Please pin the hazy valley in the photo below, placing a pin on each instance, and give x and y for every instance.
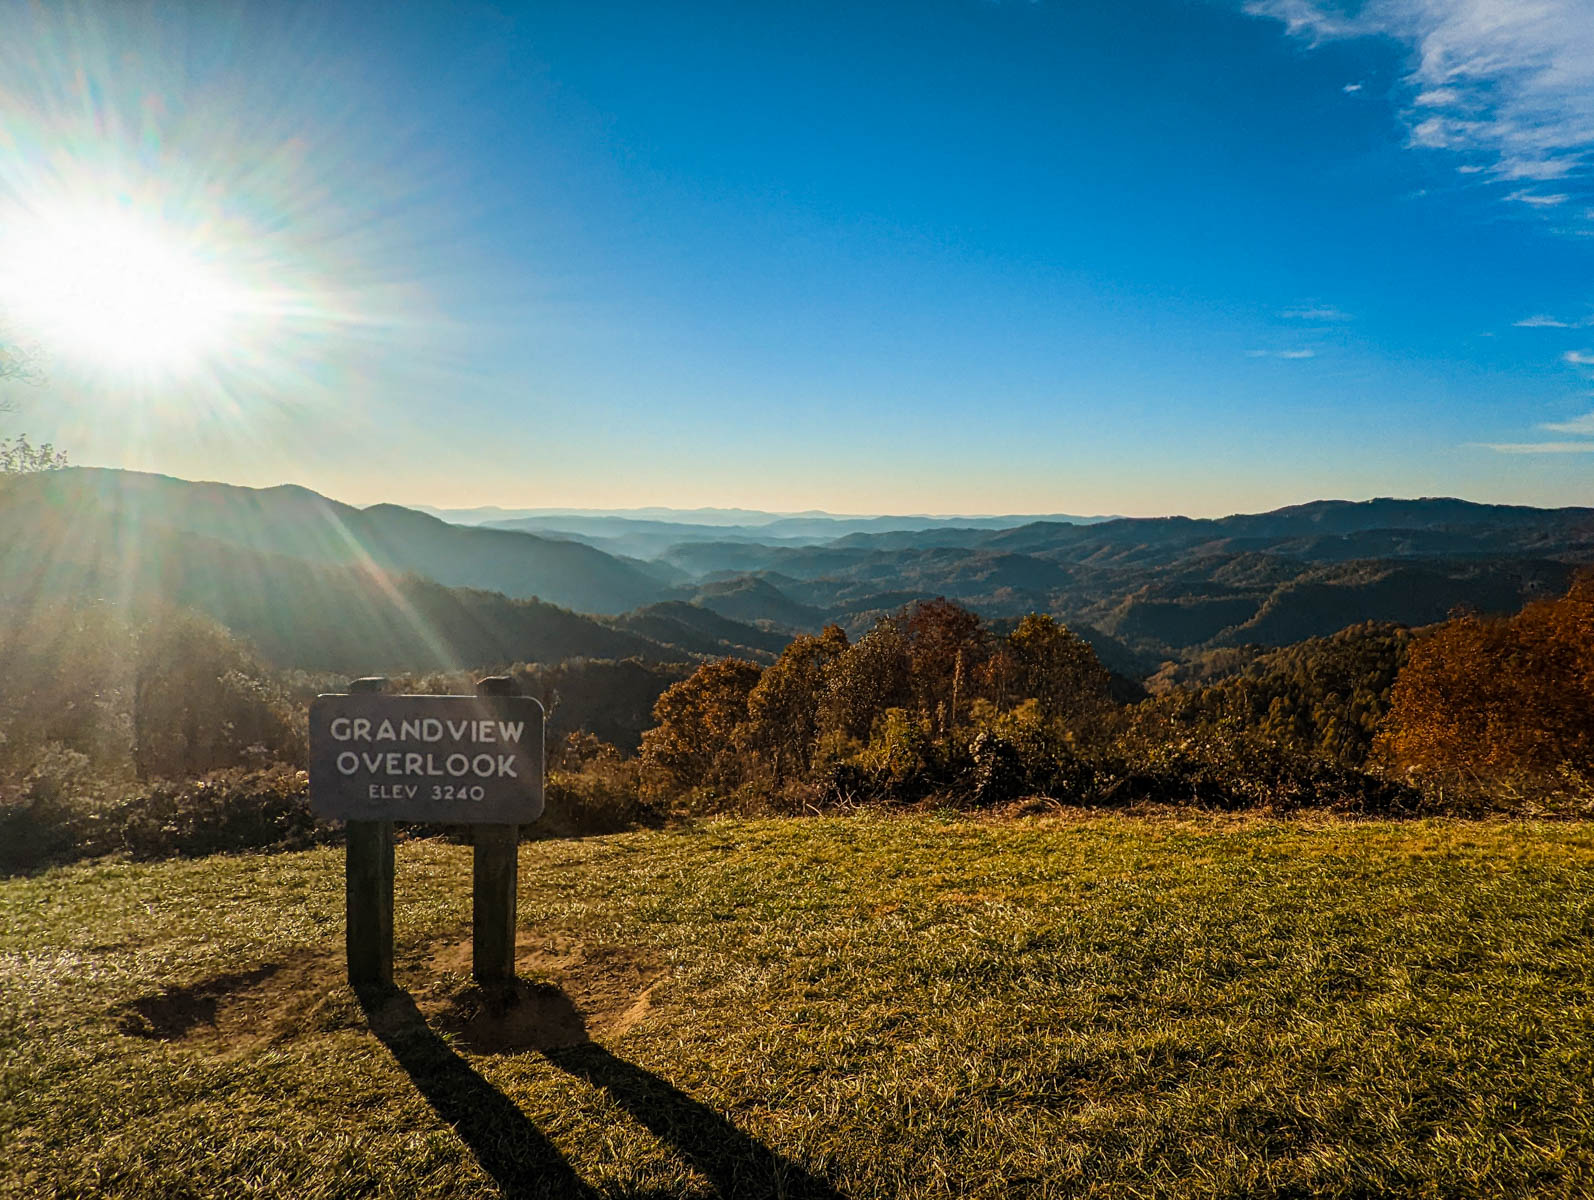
(322, 585)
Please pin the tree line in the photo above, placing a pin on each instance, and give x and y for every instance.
(168, 733)
(934, 704)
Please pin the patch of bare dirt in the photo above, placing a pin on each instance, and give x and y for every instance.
(567, 992)
(180, 1012)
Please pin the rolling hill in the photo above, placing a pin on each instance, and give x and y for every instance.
(83, 536)
(302, 524)
(1167, 586)
(319, 583)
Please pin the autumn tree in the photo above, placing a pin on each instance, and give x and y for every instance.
(18, 456)
(873, 674)
(783, 709)
(1044, 661)
(68, 672)
(1499, 699)
(202, 700)
(947, 648)
(696, 721)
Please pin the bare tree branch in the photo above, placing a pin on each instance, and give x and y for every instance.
(17, 365)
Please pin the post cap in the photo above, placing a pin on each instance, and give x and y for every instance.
(370, 683)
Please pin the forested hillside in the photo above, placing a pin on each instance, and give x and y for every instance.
(1168, 587)
(158, 632)
(301, 524)
(285, 570)
(1141, 590)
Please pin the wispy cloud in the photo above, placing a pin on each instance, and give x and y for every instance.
(1546, 321)
(1539, 199)
(1579, 358)
(1302, 352)
(1579, 425)
(1541, 447)
(1508, 81)
(1350, 89)
(1315, 312)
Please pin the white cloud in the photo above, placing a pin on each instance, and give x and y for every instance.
(1540, 322)
(1541, 447)
(1542, 201)
(1512, 80)
(1316, 312)
(1350, 89)
(1579, 358)
(1579, 425)
(1540, 171)
(1307, 354)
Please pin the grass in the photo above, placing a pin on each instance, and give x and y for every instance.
(857, 1007)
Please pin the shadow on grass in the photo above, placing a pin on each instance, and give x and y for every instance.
(524, 1163)
(521, 1160)
(735, 1163)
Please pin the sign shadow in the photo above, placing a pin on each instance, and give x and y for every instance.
(737, 1164)
(523, 1161)
(509, 1147)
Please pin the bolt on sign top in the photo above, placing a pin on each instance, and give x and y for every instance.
(468, 760)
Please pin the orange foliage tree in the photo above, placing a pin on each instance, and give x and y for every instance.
(1499, 699)
(1045, 660)
(947, 647)
(783, 708)
(694, 740)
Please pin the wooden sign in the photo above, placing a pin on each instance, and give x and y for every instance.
(458, 760)
(462, 760)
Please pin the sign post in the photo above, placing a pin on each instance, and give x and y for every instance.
(368, 887)
(458, 760)
(495, 873)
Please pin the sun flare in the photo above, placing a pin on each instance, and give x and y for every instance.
(114, 291)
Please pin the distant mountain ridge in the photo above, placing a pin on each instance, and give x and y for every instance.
(748, 518)
(653, 538)
(323, 586)
(295, 521)
(1162, 587)
(310, 578)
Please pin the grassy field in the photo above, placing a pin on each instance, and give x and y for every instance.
(861, 1007)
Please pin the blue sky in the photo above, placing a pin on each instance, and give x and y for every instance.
(941, 256)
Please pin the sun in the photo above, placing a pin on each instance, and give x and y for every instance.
(115, 291)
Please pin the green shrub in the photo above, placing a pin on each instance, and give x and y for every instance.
(1229, 765)
(603, 796)
(997, 771)
(44, 818)
(58, 817)
(229, 810)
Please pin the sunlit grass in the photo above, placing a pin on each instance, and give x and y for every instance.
(905, 1007)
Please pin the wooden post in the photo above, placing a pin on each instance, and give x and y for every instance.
(368, 890)
(495, 881)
